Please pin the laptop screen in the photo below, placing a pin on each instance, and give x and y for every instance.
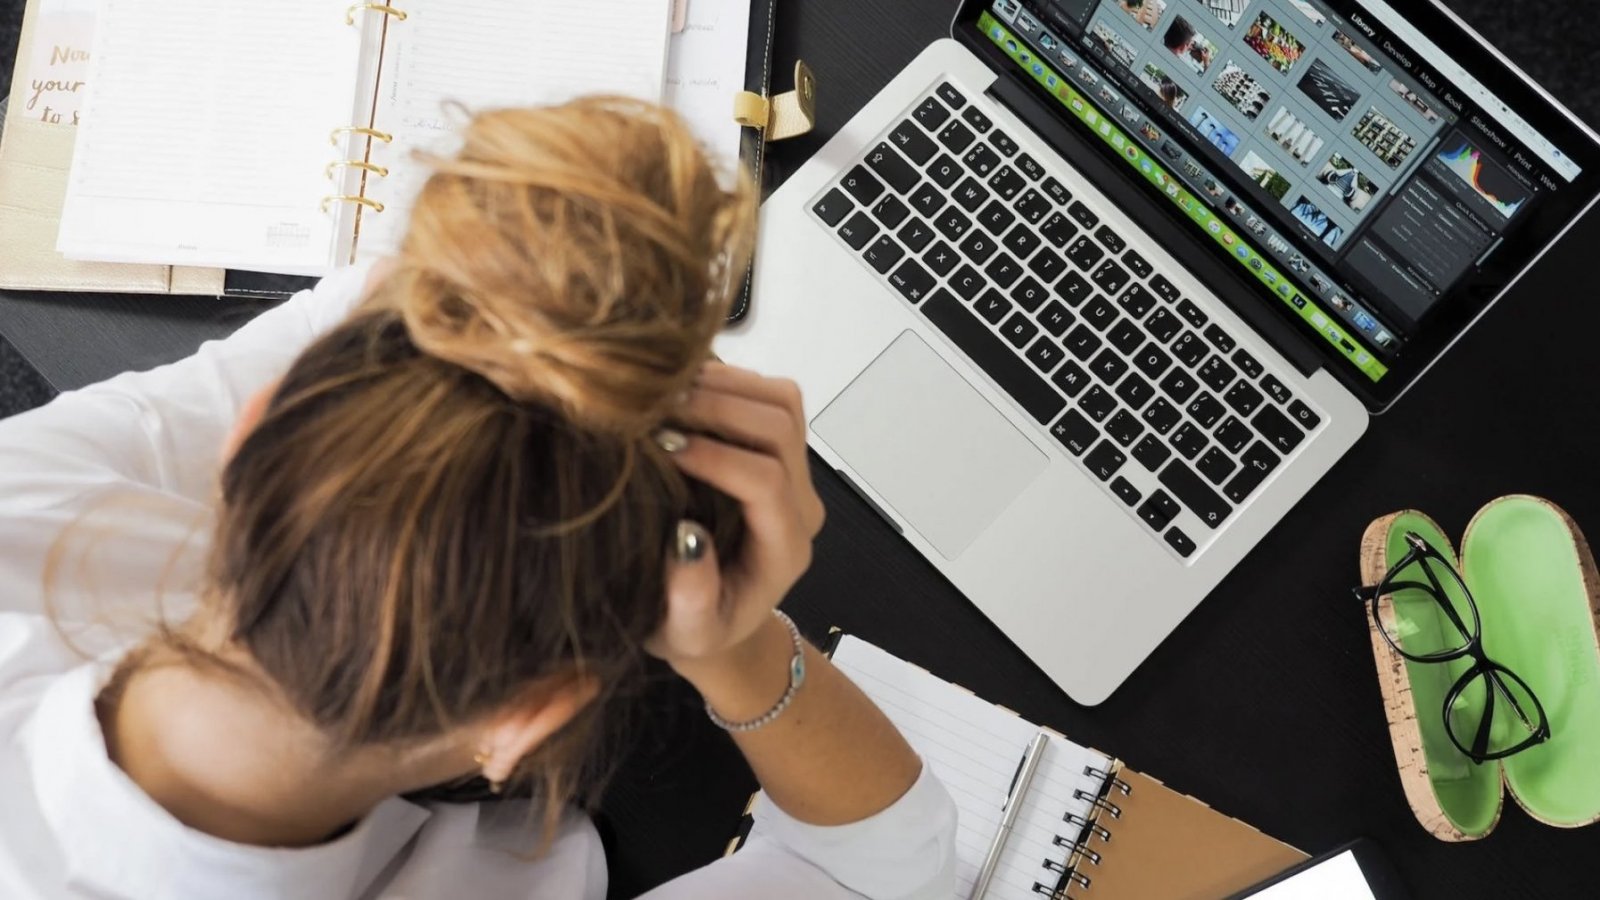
(1373, 187)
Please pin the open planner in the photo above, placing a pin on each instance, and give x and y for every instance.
(1087, 825)
(278, 136)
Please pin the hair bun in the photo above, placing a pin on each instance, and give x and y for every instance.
(582, 255)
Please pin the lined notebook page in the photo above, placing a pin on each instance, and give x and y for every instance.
(496, 53)
(974, 747)
(206, 134)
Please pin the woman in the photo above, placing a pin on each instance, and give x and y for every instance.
(462, 498)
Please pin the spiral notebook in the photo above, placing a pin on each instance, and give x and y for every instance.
(1088, 826)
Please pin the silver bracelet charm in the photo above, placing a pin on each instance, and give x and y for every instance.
(797, 677)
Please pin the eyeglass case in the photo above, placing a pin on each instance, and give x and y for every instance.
(1538, 593)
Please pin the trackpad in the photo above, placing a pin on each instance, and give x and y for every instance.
(930, 444)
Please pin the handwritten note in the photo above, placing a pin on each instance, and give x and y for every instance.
(53, 84)
(705, 68)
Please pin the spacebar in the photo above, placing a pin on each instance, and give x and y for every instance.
(994, 357)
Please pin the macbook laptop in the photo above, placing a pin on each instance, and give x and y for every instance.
(1094, 291)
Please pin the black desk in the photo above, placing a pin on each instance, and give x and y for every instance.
(1263, 703)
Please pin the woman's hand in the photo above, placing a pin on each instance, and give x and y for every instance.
(749, 443)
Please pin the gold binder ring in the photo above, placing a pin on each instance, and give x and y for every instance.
(371, 204)
(347, 130)
(350, 14)
(379, 171)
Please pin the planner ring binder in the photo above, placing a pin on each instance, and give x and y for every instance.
(336, 165)
(347, 130)
(350, 14)
(368, 202)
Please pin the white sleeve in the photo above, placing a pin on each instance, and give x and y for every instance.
(136, 457)
(905, 852)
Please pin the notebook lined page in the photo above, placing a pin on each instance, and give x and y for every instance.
(495, 53)
(206, 133)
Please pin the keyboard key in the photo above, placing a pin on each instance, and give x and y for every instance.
(1085, 253)
(893, 168)
(945, 171)
(1247, 364)
(1163, 325)
(997, 218)
(1278, 430)
(1138, 265)
(1151, 453)
(890, 211)
(916, 235)
(1125, 336)
(1055, 318)
(971, 195)
(1135, 392)
(1275, 389)
(1189, 440)
(967, 282)
(1075, 432)
(1082, 342)
(977, 120)
(1216, 374)
(1057, 191)
(1191, 313)
(1071, 378)
(1189, 350)
(1220, 339)
(833, 207)
(1030, 295)
(941, 259)
(1045, 355)
(1215, 466)
(1162, 415)
(1047, 265)
(956, 137)
(1033, 206)
(952, 224)
(1179, 385)
(1109, 367)
(1111, 239)
(1164, 289)
(1058, 229)
(1302, 414)
(978, 247)
(1233, 434)
(1083, 215)
(1100, 313)
(883, 254)
(1125, 491)
(1030, 167)
(981, 160)
(1195, 494)
(909, 140)
(1258, 463)
(1244, 399)
(1022, 241)
(1206, 410)
(994, 357)
(1004, 270)
(1180, 542)
(1098, 403)
(1104, 460)
(931, 114)
(1007, 183)
(993, 306)
(1019, 329)
(1074, 289)
(927, 200)
(951, 96)
(912, 281)
(1159, 511)
(1003, 143)
(858, 231)
(1137, 300)
(862, 185)
(1110, 277)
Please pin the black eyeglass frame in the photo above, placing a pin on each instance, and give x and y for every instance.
(1482, 666)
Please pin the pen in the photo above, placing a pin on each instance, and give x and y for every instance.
(1008, 817)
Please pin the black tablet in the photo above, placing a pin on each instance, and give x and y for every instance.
(1356, 871)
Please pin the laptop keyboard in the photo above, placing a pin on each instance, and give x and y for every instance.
(1154, 400)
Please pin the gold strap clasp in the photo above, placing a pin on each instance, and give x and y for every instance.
(347, 130)
(380, 171)
(369, 203)
(350, 14)
(785, 115)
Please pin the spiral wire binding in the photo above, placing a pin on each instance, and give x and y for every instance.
(1077, 847)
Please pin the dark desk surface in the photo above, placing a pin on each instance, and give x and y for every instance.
(1263, 703)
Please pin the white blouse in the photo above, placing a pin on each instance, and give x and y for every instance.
(127, 469)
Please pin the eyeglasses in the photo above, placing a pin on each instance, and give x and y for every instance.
(1490, 713)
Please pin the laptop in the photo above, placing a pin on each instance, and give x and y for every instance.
(1094, 291)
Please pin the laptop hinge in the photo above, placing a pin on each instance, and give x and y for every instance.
(1230, 287)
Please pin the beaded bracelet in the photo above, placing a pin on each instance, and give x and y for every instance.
(797, 677)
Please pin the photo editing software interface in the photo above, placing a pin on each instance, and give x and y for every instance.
(1342, 159)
